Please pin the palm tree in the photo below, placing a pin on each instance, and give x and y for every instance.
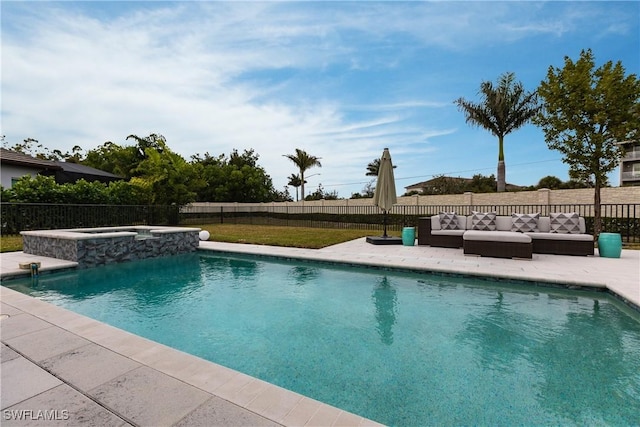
(304, 161)
(374, 167)
(295, 181)
(502, 109)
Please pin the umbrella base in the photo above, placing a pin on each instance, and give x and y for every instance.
(381, 240)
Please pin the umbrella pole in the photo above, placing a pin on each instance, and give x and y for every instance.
(384, 222)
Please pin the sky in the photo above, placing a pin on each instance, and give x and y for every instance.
(339, 80)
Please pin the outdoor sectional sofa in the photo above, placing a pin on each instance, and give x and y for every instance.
(478, 234)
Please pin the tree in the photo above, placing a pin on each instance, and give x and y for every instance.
(282, 196)
(39, 189)
(573, 183)
(169, 178)
(373, 168)
(451, 185)
(321, 193)
(551, 182)
(113, 158)
(44, 189)
(502, 109)
(304, 161)
(554, 183)
(481, 184)
(153, 141)
(238, 178)
(166, 175)
(444, 185)
(84, 192)
(295, 181)
(587, 111)
(32, 147)
(368, 191)
(125, 193)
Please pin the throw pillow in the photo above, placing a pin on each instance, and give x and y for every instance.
(483, 221)
(524, 223)
(565, 223)
(449, 221)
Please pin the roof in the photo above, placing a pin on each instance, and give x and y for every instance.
(16, 158)
(85, 170)
(628, 142)
(74, 170)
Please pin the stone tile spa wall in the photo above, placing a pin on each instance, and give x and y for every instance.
(90, 250)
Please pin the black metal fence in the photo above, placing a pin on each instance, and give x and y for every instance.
(616, 218)
(16, 217)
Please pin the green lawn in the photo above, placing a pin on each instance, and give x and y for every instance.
(297, 237)
(11, 243)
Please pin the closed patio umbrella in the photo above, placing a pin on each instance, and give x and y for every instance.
(385, 194)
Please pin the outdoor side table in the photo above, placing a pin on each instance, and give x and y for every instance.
(610, 245)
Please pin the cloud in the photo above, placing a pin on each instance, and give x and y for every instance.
(78, 80)
(336, 79)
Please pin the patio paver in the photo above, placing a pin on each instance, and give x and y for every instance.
(219, 412)
(149, 398)
(46, 343)
(22, 379)
(89, 366)
(78, 410)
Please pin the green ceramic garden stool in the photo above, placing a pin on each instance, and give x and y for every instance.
(408, 236)
(610, 245)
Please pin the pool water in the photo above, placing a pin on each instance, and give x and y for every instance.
(400, 348)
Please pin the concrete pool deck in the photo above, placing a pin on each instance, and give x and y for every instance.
(61, 368)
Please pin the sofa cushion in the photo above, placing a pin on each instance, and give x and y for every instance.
(497, 236)
(483, 221)
(503, 223)
(435, 222)
(524, 223)
(565, 223)
(559, 236)
(544, 225)
(449, 221)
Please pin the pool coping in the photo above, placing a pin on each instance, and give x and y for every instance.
(104, 232)
(252, 397)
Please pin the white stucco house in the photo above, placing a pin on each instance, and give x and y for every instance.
(14, 165)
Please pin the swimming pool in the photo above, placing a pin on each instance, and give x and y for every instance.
(399, 348)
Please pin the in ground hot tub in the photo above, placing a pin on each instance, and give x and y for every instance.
(97, 246)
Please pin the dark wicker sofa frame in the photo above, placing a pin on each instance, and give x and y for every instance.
(426, 238)
(563, 247)
(498, 249)
(540, 246)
